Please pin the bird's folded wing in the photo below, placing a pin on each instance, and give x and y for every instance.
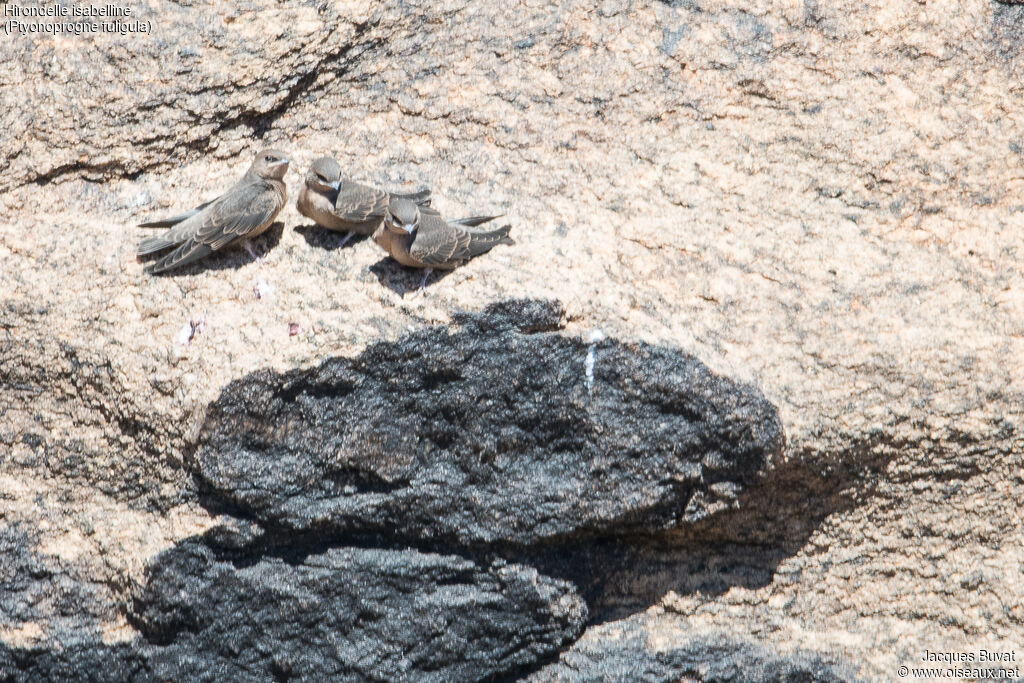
(180, 232)
(422, 197)
(483, 241)
(237, 214)
(358, 203)
(469, 221)
(439, 244)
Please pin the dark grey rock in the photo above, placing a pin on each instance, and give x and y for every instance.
(489, 431)
(39, 588)
(219, 609)
(349, 614)
(77, 659)
(1008, 31)
(495, 431)
(67, 603)
(705, 658)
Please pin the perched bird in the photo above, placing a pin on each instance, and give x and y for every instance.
(340, 204)
(244, 211)
(419, 237)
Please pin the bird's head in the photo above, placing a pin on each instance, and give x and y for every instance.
(403, 216)
(324, 175)
(270, 164)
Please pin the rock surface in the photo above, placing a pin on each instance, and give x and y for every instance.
(208, 612)
(821, 199)
(632, 651)
(350, 615)
(206, 73)
(78, 658)
(486, 434)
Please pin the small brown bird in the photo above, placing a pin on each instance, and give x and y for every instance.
(419, 237)
(244, 211)
(339, 204)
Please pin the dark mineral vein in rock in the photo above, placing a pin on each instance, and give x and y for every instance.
(488, 431)
(349, 614)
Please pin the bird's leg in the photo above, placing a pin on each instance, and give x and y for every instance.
(252, 253)
(347, 238)
(423, 282)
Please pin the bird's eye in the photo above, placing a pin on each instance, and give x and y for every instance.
(268, 158)
(322, 177)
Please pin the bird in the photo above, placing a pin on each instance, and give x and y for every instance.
(339, 204)
(247, 209)
(420, 237)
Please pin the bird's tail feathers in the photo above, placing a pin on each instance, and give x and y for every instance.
(187, 252)
(174, 220)
(151, 245)
(473, 221)
(166, 222)
(485, 241)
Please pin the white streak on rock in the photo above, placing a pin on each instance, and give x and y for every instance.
(593, 338)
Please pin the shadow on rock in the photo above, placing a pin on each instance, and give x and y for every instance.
(232, 257)
(331, 240)
(741, 546)
(402, 280)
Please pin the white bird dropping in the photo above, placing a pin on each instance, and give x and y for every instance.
(594, 337)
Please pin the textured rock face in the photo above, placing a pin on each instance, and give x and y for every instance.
(630, 651)
(205, 73)
(633, 650)
(210, 613)
(494, 433)
(350, 615)
(37, 587)
(488, 434)
(821, 199)
(78, 659)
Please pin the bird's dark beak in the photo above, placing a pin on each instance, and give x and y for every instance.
(335, 185)
(279, 162)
